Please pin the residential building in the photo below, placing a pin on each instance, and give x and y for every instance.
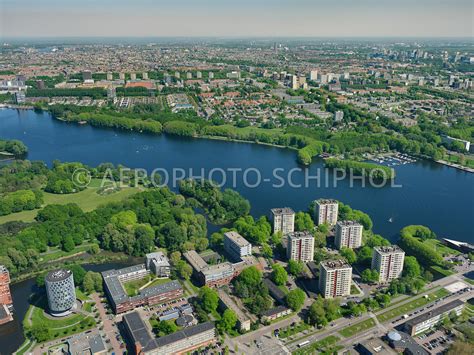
(300, 246)
(122, 302)
(388, 261)
(158, 263)
(274, 291)
(144, 343)
(283, 220)
(236, 245)
(429, 319)
(83, 343)
(348, 234)
(210, 275)
(313, 75)
(375, 346)
(326, 211)
(5, 294)
(335, 278)
(60, 291)
(338, 116)
(275, 313)
(403, 343)
(227, 302)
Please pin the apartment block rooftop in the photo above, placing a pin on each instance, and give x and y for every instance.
(335, 264)
(348, 223)
(435, 312)
(389, 249)
(284, 210)
(237, 238)
(300, 234)
(326, 201)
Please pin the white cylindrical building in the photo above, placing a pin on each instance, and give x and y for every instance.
(60, 292)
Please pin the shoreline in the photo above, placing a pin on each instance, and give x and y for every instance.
(223, 138)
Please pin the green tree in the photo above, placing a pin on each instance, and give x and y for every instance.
(40, 332)
(279, 274)
(165, 327)
(349, 255)
(209, 299)
(295, 268)
(303, 221)
(369, 276)
(295, 299)
(228, 321)
(411, 267)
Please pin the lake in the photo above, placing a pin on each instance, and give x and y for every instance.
(434, 195)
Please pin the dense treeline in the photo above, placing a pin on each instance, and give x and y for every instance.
(103, 120)
(220, 206)
(20, 200)
(134, 226)
(22, 175)
(375, 171)
(411, 241)
(13, 146)
(96, 93)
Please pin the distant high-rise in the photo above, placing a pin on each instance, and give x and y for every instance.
(86, 75)
(189, 75)
(300, 246)
(211, 75)
(122, 76)
(388, 261)
(177, 74)
(326, 211)
(60, 291)
(110, 76)
(338, 116)
(313, 75)
(145, 76)
(5, 294)
(335, 278)
(40, 84)
(348, 234)
(199, 75)
(133, 76)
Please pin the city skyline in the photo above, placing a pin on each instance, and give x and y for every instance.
(260, 18)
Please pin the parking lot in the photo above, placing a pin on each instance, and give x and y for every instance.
(434, 341)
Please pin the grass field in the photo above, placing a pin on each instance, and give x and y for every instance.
(357, 328)
(132, 287)
(157, 282)
(289, 331)
(87, 200)
(410, 306)
(440, 247)
(56, 253)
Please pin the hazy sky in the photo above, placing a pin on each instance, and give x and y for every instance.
(317, 18)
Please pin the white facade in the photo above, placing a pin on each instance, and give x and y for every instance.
(335, 278)
(300, 246)
(388, 261)
(325, 211)
(283, 220)
(158, 263)
(237, 245)
(348, 234)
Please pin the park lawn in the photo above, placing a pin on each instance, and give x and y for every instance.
(289, 331)
(440, 247)
(132, 287)
(357, 328)
(441, 271)
(414, 304)
(468, 280)
(318, 347)
(87, 200)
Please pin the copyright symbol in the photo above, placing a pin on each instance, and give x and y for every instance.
(81, 177)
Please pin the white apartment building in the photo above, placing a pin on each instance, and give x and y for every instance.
(335, 278)
(300, 246)
(348, 234)
(325, 211)
(283, 220)
(388, 261)
(237, 245)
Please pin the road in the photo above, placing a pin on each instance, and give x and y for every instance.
(110, 329)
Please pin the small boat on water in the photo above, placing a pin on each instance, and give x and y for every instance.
(390, 219)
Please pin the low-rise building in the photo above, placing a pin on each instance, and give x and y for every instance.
(335, 278)
(83, 343)
(144, 343)
(375, 346)
(274, 291)
(348, 234)
(226, 301)
(122, 302)
(158, 263)
(236, 245)
(275, 313)
(388, 261)
(210, 275)
(429, 319)
(283, 220)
